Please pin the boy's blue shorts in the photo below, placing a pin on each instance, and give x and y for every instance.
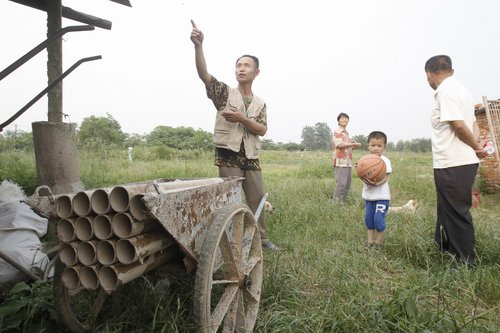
(375, 212)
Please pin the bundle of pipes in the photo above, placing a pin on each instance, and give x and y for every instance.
(108, 237)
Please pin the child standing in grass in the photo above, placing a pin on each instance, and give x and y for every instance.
(377, 195)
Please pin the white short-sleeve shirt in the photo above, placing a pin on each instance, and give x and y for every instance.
(453, 102)
(380, 192)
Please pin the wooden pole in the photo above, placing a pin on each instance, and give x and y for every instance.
(54, 61)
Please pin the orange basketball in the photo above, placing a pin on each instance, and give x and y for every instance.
(371, 167)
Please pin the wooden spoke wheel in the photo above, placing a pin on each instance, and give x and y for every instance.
(229, 275)
(77, 308)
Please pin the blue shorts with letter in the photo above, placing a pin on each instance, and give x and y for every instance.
(375, 214)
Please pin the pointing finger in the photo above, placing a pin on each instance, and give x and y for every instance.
(193, 24)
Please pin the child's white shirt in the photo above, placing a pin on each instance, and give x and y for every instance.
(379, 192)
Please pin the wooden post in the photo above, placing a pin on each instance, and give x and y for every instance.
(54, 61)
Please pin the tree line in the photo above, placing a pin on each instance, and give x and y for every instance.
(99, 132)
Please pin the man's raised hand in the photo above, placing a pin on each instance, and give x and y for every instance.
(196, 35)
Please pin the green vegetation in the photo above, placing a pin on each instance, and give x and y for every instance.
(105, 132)
(323, 279)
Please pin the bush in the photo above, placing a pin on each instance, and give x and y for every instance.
(29, 308)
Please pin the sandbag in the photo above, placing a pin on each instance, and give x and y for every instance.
(20, 232)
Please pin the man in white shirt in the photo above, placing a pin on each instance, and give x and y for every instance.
(455, 153)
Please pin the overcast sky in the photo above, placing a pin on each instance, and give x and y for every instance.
(318, 58)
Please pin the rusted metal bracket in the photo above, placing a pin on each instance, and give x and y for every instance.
(44, 91)
(18, 63)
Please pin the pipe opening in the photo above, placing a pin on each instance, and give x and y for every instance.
(119, 199)
(121, 225)
(81, 204)
(70, 277)
(125, 251)
(138, 208)
(100, 202)
(102, 227)
(86, 253)
(66, 230)
(108, 278)
(64, 208)
(89, 278)
(67, 254)
(83, 228)
(106, 253)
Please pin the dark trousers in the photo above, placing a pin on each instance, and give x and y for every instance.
(454, 229)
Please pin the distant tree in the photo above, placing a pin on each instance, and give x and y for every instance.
(101, 131)
(202, 140)
(134, 140)
(421, 145)
(317, 137)
(180, 138)
(268, 144)
(361, 139)
(19, 140)
(308, 137)
(400, 146)
(292, 146)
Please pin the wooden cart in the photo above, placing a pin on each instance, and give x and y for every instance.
(205, 226)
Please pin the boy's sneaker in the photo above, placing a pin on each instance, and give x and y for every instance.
(369, 246)
(267, 244)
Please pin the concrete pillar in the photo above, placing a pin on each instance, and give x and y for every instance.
(56, 156)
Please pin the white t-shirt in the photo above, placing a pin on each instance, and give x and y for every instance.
(453, 102)
(380, 192)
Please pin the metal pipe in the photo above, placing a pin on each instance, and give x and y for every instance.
(64, 206)
(102, 226)
(68, 253)
(106, 252)
(259, 209)
(138, 208)
(120, 196)
(114, 276)
(81, 203)
(124, 226)
(100, 201)
(71, 276)
(139, 247)
(89, 276)
(84, 228)
(87, 253)
(180, 183)
(66, 229)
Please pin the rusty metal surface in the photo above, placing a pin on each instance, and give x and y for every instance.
(188, 214)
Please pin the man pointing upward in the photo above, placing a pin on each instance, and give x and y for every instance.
(240, 121)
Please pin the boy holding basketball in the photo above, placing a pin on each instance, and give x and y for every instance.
(376, 193)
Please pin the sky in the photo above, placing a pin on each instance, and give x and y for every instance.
(317, 59)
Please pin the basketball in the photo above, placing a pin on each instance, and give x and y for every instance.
(371, 167)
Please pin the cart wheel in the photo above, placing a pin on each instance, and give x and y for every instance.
(229, 276)
(77, 308)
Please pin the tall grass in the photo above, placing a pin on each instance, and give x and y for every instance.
(323, 279)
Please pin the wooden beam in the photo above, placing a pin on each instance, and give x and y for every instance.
(69, 13)
(86, 18)
(123, 2)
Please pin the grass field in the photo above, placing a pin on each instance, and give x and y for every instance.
(323, 279)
